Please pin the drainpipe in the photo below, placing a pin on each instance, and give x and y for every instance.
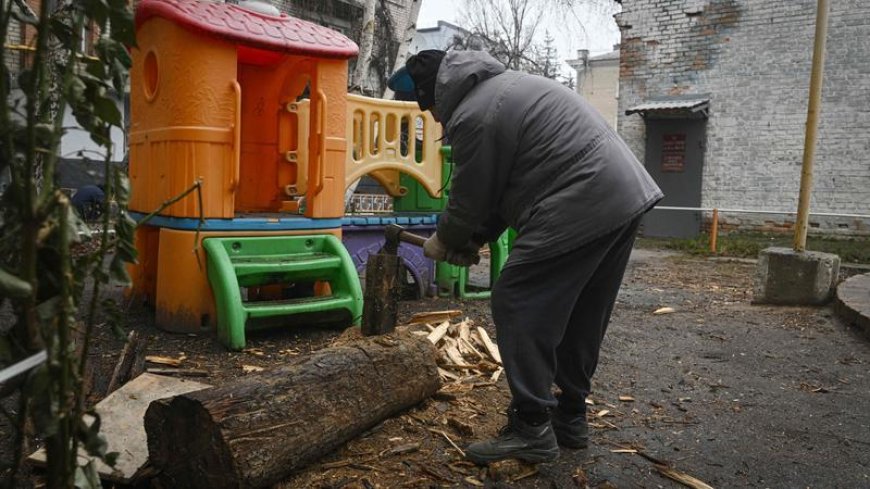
(803, 216)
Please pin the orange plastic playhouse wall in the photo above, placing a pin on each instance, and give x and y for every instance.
(183, 114)
(328, 143)
(270, 135)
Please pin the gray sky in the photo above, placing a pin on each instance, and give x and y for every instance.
(600, 36)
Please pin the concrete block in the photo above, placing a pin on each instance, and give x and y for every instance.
(784, 276)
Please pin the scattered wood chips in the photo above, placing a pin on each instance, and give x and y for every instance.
(464, 351)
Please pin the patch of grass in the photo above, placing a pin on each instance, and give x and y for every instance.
(749, 245)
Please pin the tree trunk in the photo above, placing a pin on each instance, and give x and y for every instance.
(405, 42)
(367, 40)
(257, 430)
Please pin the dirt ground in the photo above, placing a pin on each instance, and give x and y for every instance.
(733, 394)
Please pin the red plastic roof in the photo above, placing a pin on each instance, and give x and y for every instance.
(235, 24)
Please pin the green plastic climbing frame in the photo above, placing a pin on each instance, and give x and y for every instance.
(237, 262)
(416, 198)
(454, 280)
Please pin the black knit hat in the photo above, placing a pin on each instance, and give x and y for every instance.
(423, 68)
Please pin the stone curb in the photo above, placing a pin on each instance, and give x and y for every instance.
(852, 303)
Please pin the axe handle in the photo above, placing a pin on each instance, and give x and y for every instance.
(412, 238)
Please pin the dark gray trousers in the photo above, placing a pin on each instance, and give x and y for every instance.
(550, 317)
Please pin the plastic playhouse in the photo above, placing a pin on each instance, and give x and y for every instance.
(253, 104)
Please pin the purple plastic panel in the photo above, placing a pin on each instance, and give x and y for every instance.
(365, 236)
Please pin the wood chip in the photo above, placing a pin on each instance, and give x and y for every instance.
(464, 330)
(433, 317)
(664, 310)
(474, 482)
(626, 399)
(461, 427)
(168, 361)
(602, 413)
(251, 368)
(455, 357)
(624, 450)
(335, 465)
(463, 368)
(183, 372)
(491, 348)
(438, 333)
(467, 348)
(401, 449)
(496, 375)
(449, 440)
(449, 375)
(682, 477)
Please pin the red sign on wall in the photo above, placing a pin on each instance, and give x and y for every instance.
(674, 153)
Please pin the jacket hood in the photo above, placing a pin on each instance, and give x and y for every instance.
(460, 72)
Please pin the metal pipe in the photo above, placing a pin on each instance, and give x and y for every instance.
(714, 231)
(803, 216)
(23, 366)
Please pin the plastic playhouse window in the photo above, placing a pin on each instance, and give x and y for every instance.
(375, 146)
(151, 76)
(420, 126)
(404, 148)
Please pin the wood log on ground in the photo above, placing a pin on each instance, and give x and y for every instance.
(257, 430)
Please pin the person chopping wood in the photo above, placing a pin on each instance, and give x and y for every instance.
(532, 154)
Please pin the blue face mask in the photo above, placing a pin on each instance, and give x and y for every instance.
(401, 81)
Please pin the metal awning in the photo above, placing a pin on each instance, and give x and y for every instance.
(673, 106)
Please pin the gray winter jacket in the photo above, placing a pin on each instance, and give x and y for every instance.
(531, 154)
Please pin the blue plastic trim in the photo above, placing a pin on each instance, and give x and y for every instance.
(390, 219)
(283, 223)
(241, 224)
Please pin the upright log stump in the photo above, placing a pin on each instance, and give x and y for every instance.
(257, 430)
(381, 297)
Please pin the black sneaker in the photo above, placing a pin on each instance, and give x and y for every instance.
(572, 430)
(519, 440)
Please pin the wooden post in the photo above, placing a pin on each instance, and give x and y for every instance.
(803, 216)
(714, 231)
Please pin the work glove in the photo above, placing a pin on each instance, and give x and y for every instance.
(433, 248)
(464, 257)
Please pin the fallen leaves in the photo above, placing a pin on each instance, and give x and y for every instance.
(813, 388)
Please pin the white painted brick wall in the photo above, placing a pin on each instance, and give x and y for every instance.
(754, 58)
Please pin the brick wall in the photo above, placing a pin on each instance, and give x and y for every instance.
(754, 58)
